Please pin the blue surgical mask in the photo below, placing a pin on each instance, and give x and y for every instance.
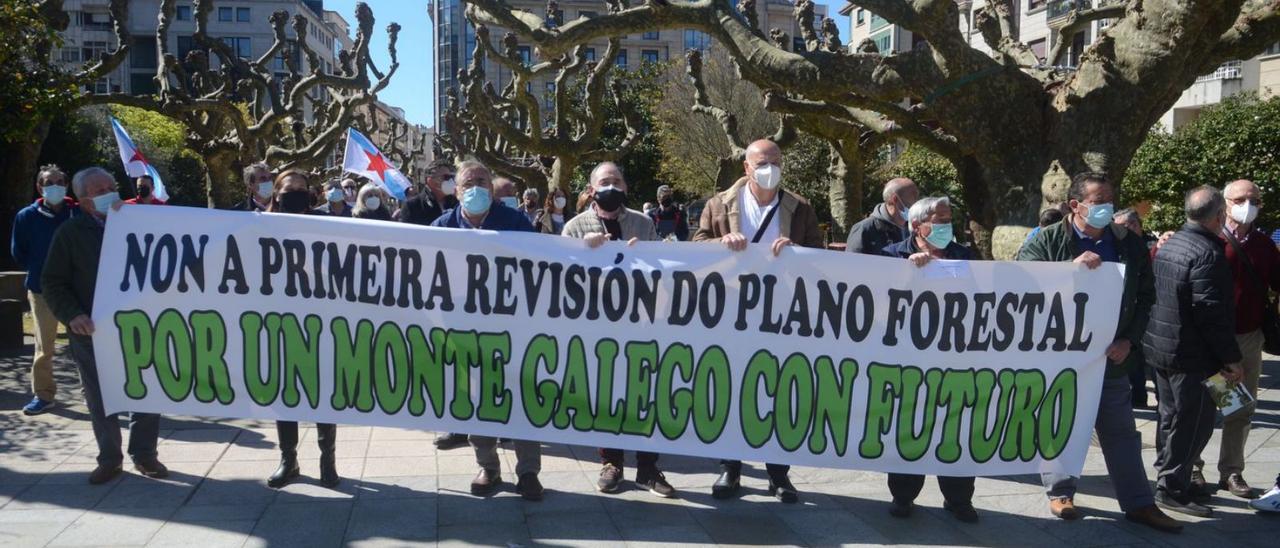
(940, 236)
(103, 202)
(1099, 215)
(334, 194)
(53, 194)
(475, 200)
(509, 201)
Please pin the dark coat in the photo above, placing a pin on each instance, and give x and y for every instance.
(873, 234)
(1057, 243)
(424, 209)
(71, 270)
(907, 248)
(1192, 327)
(33, 229)
(500, 218)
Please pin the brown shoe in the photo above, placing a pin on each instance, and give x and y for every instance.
(104, 473)
(1152, 517)
(151, 468)
(486, 482)
(1064, 508)
(1238, 487)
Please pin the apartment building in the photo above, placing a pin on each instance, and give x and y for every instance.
(455, 41)
(1037, 23)
(243, 25)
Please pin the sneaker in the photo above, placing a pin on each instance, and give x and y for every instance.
(1269, 501)
(1182, 505)
(610, 479)
(36, 406)
(655, 482)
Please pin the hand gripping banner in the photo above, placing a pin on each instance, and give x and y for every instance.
(813, 358)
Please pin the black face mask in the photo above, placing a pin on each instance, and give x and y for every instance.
(610, 199)
(666, 201)
(144, 191)
(295, 201)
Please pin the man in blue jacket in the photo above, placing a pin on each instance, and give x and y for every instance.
(33, 229)
(477, 209)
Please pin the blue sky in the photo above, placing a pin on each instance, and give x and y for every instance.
(412, 88)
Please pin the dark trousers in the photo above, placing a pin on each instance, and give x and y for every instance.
(144, 428)
(1138, 384)
(1186, 424)
(906, 487)
(644, 459)
(326, 438)
(775, 470)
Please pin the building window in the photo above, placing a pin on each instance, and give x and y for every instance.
(649, 56)
(1033, 5)
(143, 53)
(555, 18)
(1037, 47)
(862, 16)
(590, 54)
(242, 15)
(797, 44)
(884, 42)
(70, 55)
(526, 55)
(92, 50)
(1273, 50)
(141, 83)
(96, 20)
(549, 99)
(621, 60)
(224, 14)
(654, 35)
(1077, 49)
(184, 13)
(239, 45)
(696, 40)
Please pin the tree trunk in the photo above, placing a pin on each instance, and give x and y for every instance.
(728, 171)
(217, 170)
(561, 175)
(844, 194)
(18, 172)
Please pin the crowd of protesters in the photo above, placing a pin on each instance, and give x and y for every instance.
(1194, 305)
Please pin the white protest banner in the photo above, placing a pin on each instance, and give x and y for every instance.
(813, 358)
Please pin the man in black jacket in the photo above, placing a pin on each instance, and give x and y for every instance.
(433, 201)
(887, 224)
(1191, 336)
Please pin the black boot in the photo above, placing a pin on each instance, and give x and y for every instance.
(727, 484)
(287, 472)
(328, 470)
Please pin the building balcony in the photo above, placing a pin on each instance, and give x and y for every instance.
(877, 23)
(1231, 70)
(1060, 9)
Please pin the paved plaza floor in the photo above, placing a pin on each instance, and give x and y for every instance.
(397, 490)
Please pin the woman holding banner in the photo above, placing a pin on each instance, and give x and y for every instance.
(291, 195)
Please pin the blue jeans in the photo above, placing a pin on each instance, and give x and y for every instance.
(1121, 448)
(144, 428)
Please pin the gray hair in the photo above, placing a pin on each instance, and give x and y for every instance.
(249, 169)
(924, 208)
(50, 169)
(531, 192)
(472, 164)
(602, 165)
(1126, 213)
(81, 178)
(1204, 203)
(894, 186)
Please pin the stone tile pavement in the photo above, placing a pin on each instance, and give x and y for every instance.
(397, 490)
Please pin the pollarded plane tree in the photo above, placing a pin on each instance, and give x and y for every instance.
(1021, 126)
(510, 131)
(238, 112)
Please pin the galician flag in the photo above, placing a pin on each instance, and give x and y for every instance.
(135, 164)
(364, 159)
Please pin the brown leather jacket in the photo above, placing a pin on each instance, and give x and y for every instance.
(796, 218)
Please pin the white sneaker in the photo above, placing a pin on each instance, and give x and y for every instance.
(1269, 501)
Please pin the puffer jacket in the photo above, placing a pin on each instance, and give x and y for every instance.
(1192, 327)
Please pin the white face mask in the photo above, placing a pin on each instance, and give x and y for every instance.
(1244, 213)
(768, 176)
(560, 201)
(265, 189)
(372, 202)
(448, 186)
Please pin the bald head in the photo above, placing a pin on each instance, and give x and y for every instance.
(1241, 187)
(608, 174)
(503, 188)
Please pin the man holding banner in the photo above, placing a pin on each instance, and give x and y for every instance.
(608, 219)
(929, 225)
(756, 205)
(476, 209)
(69, 278)
(1087, 236)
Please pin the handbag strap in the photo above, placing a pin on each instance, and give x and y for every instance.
(768, 217)
(1248, 264)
